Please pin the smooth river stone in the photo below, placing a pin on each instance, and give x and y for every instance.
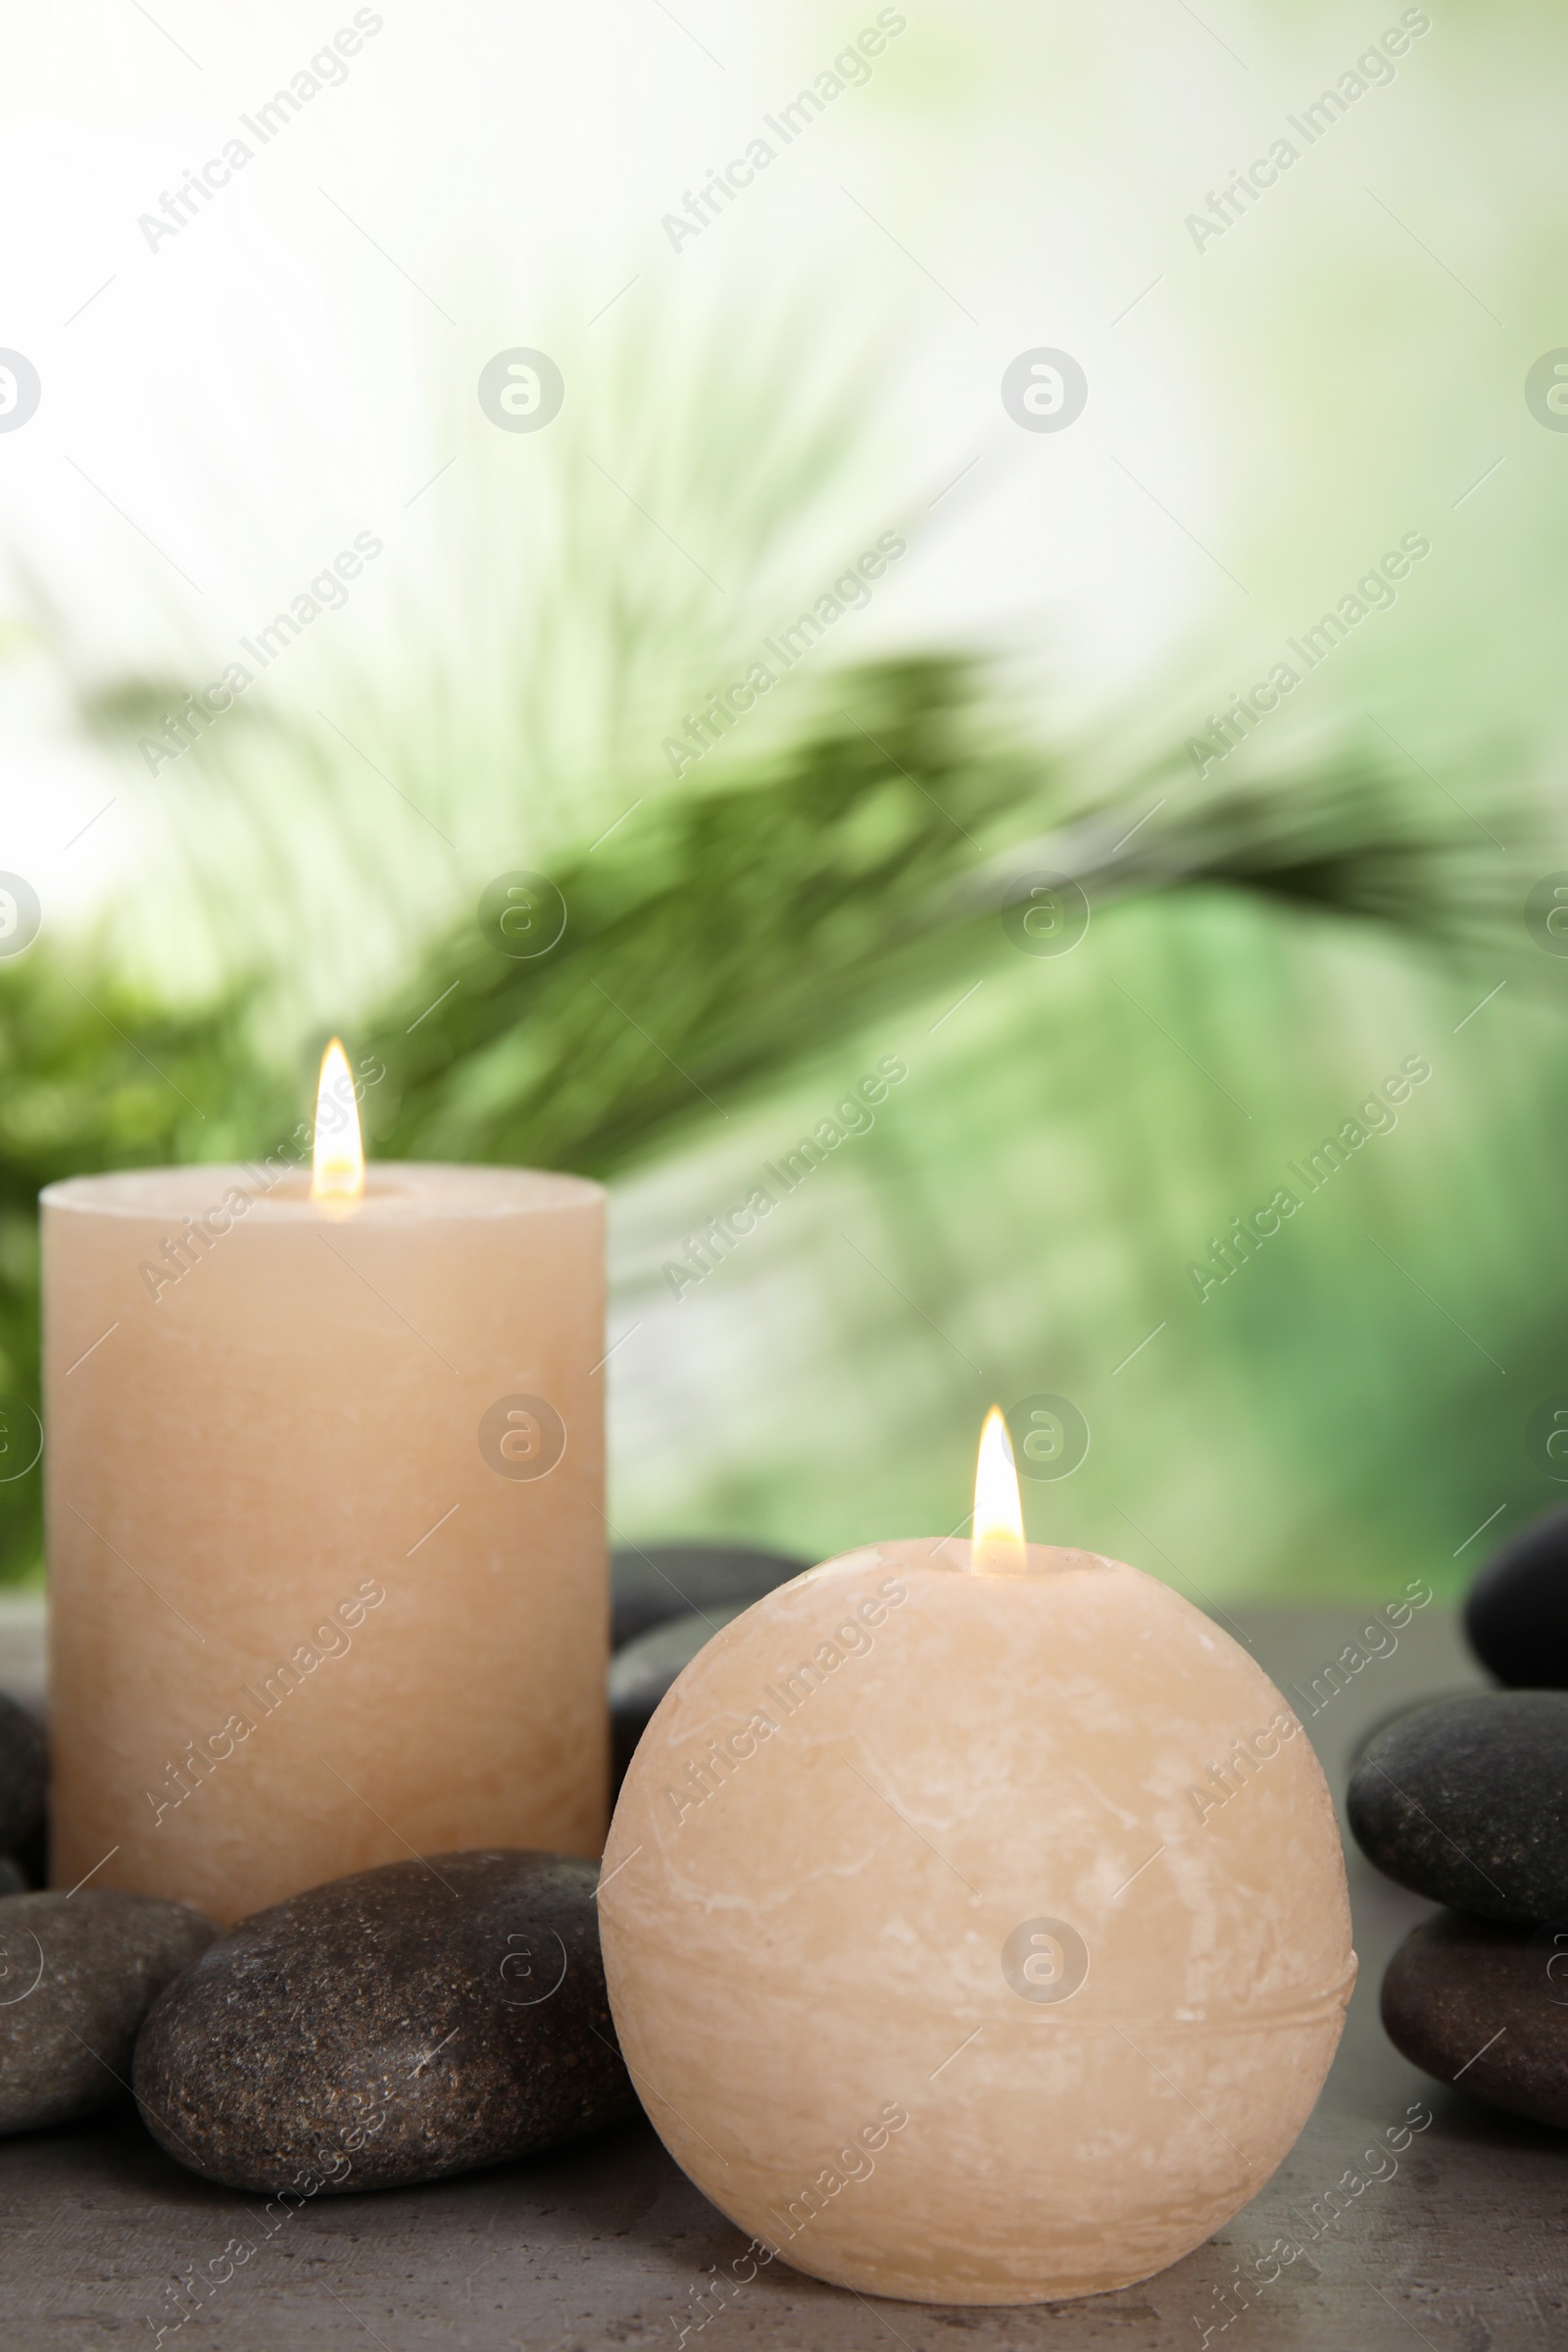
(652, 1582)
(422, 2019)
(1466, 1801)
(1484, 2005)
(642, 1673)
(24, 1771)
(1517, 1613)
(1385, 1721)
(78, 1975)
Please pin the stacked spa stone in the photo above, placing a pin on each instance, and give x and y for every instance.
(1465, 1800)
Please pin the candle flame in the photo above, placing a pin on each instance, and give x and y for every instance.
(997, 1546)
(338, 1167)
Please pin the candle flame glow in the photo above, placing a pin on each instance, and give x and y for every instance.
(996, 1547)
(337, 1172)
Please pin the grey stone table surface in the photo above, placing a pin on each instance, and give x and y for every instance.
(1461, 2243)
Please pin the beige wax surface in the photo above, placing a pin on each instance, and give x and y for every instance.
(238, 1465)
(949, 1987)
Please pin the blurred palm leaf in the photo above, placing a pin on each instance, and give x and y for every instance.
(715, 946)
(845, 856)
(732, 935)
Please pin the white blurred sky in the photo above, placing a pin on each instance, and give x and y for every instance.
(218, 417)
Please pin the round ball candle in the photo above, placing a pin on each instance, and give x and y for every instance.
(975, 1921)
(327, 1546)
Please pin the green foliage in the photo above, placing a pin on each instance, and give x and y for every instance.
(837, 867)
(96, 1074)
(722, 940)
(725, 936)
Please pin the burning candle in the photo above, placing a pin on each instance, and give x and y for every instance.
(327, 1545)
(976, 1919)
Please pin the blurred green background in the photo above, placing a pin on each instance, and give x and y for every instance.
(828, 884)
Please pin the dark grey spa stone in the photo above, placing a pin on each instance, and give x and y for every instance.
(1517, 1613)
(422, 2019)
(24, 1771)
(1466, 1801)
(642, 1673)
(652, 1582)
(1484, 2005)
(78, 1975)
(13, 1880)
(1390, 1716)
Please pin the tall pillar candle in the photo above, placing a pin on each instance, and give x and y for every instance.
(326, 1552)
